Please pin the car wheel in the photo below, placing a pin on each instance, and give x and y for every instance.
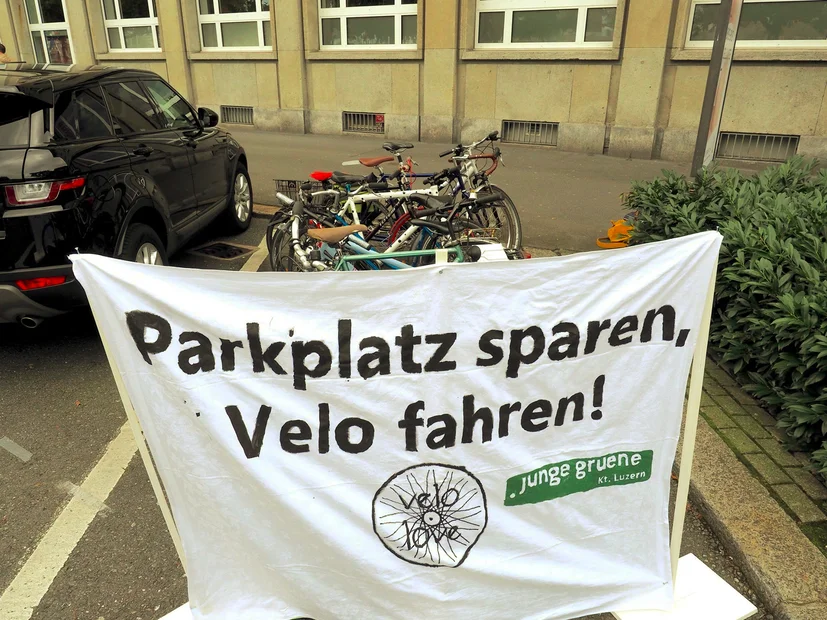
(240, 207)
(142, 245)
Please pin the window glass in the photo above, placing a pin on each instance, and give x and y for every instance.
(205, 7)
(176, 112)
(409, 29)
(266, 33)
(544, 26)
(131, 111)
(491, 27)
(31, 11)
(236, 6)
(783, 21)
(331, 32)
(109, 9)
(81, 115)
(52, 11)
(14, 121)
(600, 24)
(37, 42)
(370, 30)
(57, 46)
(134, 9)
(138, 37)
(114, 38)
(208, 35)
(703, 22)
(362, 3)
(330, 4)
(239, 34)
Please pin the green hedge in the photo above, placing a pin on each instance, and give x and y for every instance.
(770, 318)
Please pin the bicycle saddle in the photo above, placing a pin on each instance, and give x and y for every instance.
(341, 178)
(372, 162)
(335, 235)
(393, 147)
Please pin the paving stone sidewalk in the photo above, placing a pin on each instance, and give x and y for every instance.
(751, 433)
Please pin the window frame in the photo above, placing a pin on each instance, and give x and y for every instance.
(510, 6)
(223, 18)
(789, 44)
(41, 27)
(120, 23)
(396, 10)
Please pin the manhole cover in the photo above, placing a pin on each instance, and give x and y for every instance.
(223, 251)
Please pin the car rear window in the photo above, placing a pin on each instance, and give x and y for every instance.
(81, 115)
(14, 121)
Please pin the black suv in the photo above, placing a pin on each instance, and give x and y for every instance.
(103, 160)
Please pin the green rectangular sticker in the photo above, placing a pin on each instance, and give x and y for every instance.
(577, 476)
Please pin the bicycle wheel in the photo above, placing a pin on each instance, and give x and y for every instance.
(282, 256)
(501, 218)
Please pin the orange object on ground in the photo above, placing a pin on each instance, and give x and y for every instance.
(618, 235)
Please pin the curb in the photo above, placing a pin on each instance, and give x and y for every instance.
(264, 210)
(781, 564)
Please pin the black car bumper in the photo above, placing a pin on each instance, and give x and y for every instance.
(39, 303)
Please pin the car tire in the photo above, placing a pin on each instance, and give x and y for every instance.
(240, 205)
(141, 244)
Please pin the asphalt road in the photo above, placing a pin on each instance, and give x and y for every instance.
(58, 401)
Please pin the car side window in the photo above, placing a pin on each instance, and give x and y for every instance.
(132, 112)
(175, 112)
(81, 115)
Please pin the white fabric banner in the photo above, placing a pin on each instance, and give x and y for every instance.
(467, 441)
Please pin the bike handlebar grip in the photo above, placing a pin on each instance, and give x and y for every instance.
(448, 152)
(381, 186)
(287, 202)
(484, 200)
(395, 174)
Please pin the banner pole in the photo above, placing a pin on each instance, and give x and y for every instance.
(143, 448)
(696, 382)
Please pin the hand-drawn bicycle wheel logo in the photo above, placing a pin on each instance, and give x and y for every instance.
(430, 514)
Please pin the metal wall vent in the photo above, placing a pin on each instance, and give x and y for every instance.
(238, 114)
(756, 146)
(363, 122)
(530, 132)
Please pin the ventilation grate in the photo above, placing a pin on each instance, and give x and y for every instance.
(363, 122)
(530, 132)
(238, 114)
(756, 146)
(223, 251)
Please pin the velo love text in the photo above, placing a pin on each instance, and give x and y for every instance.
(410, 351)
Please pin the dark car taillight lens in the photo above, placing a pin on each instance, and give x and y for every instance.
(26, 194)
(33, 283)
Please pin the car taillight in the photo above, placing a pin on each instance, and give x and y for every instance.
(25, 194)
(33, 283)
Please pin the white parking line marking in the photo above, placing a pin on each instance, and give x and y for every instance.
(75, 490)
(18, 451)
(258, 257)
(29, 586)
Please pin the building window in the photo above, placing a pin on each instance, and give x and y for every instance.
(234, 24)
(538, 24)
(50, 31)
(367, 24)
(131, 25)
(764, 23)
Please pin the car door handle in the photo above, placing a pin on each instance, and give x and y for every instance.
(143, 150)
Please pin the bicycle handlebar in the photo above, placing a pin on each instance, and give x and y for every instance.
(285, 200)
